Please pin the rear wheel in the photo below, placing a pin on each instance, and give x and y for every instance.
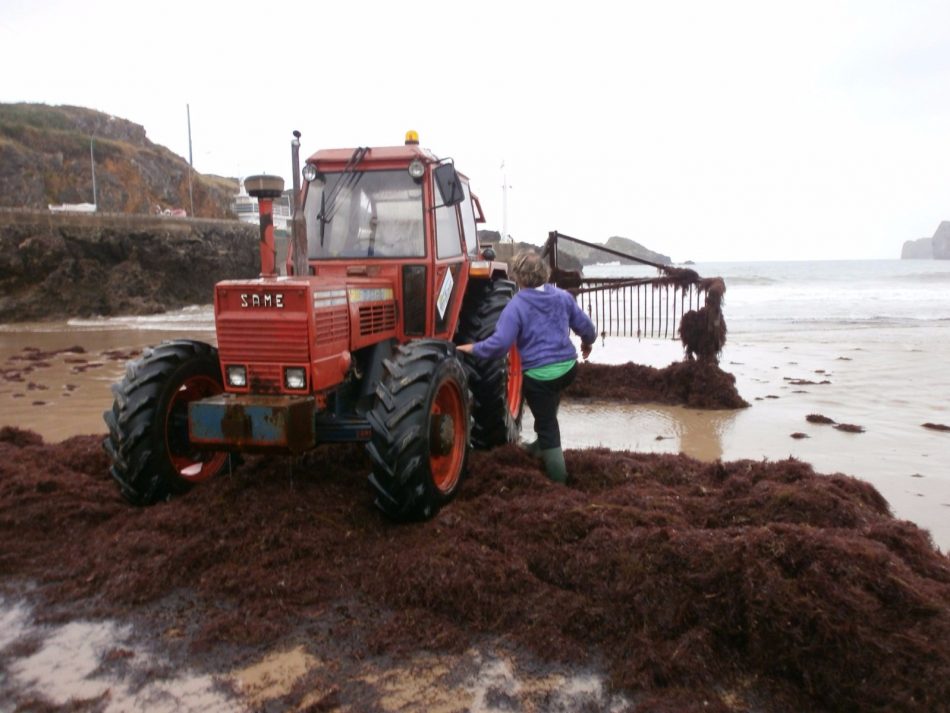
(497, 400)
(152, 456)
(420, 430)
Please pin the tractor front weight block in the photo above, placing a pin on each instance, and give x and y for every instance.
(253, 422)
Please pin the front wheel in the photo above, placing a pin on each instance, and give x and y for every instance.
(420, 430)
(152, 455)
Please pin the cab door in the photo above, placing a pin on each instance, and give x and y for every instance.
(449, 274)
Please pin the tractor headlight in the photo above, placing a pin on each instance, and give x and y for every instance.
(309, 172)
(237, 376)
(295, 377)
(416, 169)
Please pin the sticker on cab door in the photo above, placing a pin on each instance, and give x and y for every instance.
(444, 293)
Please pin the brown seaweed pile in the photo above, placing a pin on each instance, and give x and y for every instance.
(825, 420)
(690, 582)
(697, 384)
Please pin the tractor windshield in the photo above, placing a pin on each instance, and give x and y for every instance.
(364, 214)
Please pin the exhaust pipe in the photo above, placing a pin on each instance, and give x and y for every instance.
(266, 189)
(298, 230)
(295, 160)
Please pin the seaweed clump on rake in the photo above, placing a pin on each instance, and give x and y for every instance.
(703, 331)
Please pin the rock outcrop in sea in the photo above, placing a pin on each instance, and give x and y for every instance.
(934, 248)
(573, 256)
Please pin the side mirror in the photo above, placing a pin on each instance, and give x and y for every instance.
(450, 188)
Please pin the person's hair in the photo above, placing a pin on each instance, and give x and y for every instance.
(529, 269)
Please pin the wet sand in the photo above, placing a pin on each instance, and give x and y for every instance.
(73, 388)
(101, 665)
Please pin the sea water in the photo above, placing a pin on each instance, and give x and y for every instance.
(801, 295)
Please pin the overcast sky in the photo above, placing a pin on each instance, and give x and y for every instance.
(704, 130)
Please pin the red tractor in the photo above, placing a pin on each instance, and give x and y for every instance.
(356, 343)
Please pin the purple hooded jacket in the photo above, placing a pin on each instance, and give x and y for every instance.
(539, 322)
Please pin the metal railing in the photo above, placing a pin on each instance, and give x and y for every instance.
(642, 307)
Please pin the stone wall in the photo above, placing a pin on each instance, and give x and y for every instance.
(61, 265)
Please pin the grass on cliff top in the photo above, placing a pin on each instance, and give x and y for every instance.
(51, 129)
(72, 142)
(42, 116)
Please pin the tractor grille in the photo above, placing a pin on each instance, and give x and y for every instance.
(264, 378)
(331, 325)
(247, 341)
(377, 318)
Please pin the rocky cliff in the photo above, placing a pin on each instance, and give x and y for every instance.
(45, 159)
(937, 247)
(57, 266)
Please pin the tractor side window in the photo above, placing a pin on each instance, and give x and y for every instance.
(470, 230)
(364, 214)
(448, 243)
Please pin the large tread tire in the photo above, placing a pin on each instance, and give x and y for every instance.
(152, 458)
(421, 428)
(496, 410)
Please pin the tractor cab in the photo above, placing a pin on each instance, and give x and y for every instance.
(397, 213)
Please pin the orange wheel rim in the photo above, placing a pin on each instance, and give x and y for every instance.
(191, 465)
(515, 380)
(447, 469)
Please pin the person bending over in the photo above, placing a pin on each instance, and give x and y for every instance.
(539, 320)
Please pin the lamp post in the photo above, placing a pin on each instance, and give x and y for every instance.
(92, 162)
(191, 164)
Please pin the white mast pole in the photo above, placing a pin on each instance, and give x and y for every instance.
(504, 202)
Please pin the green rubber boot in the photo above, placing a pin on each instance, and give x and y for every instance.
(554, 464)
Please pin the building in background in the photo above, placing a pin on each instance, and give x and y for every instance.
(245, 208)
